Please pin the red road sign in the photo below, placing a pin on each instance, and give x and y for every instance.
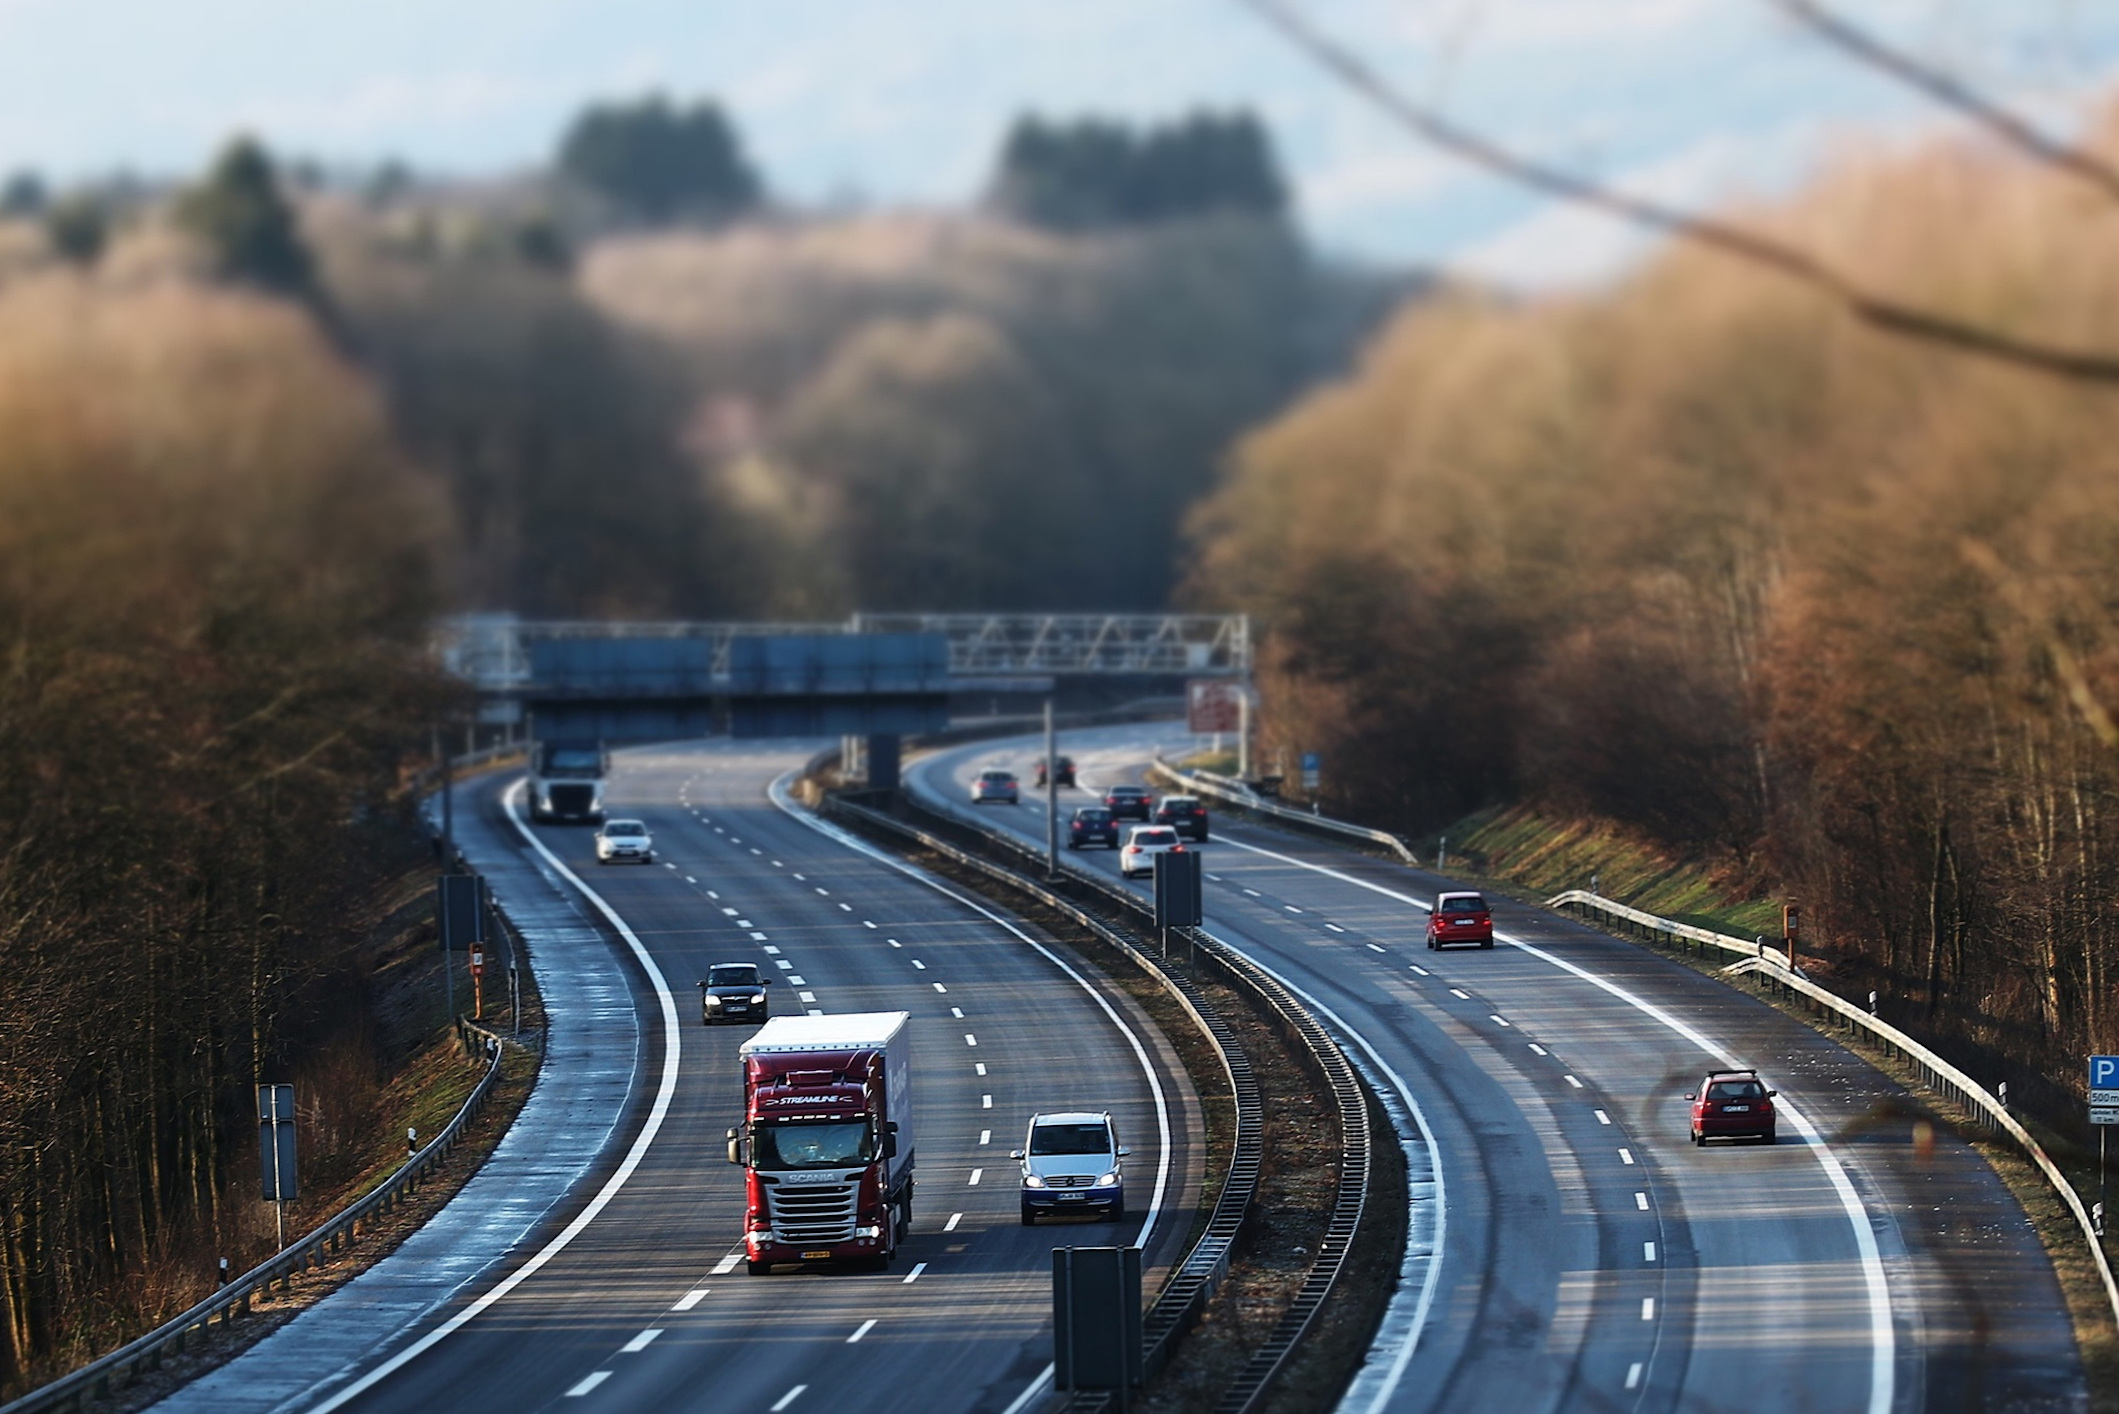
(1213, 705)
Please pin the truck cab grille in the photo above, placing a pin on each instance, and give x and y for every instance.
(813, 1212)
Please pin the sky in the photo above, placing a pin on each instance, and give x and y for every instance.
(857, 101)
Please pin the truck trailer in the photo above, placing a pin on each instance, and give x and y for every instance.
(566, 781)
(826, 1142)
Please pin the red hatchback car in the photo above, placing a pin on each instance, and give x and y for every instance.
(1460, 918)
(1732, 1104)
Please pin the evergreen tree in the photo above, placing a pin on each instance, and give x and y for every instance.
(657, 162)
(1095, 173)
(23, 195)
(249, 230)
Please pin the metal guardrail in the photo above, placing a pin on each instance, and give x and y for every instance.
(1937, 1072)
(99, 1378)
(1357, 1150)
(1235, 792)
(1194, 1280)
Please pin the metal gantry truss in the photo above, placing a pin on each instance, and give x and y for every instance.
(489, 650)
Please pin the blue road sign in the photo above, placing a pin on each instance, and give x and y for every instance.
(1312, 764)
(2104, 1080)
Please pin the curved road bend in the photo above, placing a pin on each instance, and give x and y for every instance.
(1593, 1259)
(649, 1307)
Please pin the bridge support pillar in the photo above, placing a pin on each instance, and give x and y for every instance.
(883, 761)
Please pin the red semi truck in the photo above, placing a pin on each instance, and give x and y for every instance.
(827, 1138)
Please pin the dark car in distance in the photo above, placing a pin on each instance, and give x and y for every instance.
(1732, 1104)
(733, 991)
(1092, 824)
(1066, 771)
(1130, 803)
(1186, 814)
(1460, 918)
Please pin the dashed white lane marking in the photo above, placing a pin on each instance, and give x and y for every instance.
(757, 851)
(1602, 1118)
(914, 1275)
(797, 980)
(985, 1102)
(954, 1219)
(770, 951)
(803, 877)
(1648, 1251)
(955, 1011)
(719, 831)
(745, 923)
(735, 839)
(1497, 1019)
(805, 996)
(942, 989)
(866, 924)
(816, 1011)
(1291, 908)
(979, 1066)
(1633, 1375)
(588, 1384)
(1640, 1200)
(1372, 947)
(1215, 877)
(690, 880)
(970, 1040)
(1422, 971)
(690, 1299)
(1460, 993)
(788, 1398)
(757, 937)
(783, 964)
(1337, 929)
(1626, 1157)
(1254, 893)
(778, 865)
(727, 1264)
(976, 1174)
(894, 942)
(824, 891)
(711, 894)
(847, 907)
(669, 866)
(863, 1329)
(918, 965)
(985, 1136)
(1538, 1049)
(1572, 1081)
(729, 911)
(639, 1342)
(1648, 1308)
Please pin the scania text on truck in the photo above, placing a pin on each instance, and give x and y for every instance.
(566, 781)
(826, 1143)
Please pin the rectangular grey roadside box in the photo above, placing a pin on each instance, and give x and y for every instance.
(1096, 1326)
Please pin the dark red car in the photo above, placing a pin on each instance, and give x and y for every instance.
(1732, 1104)
(1130, 803)
(1184, 813)
(1460, 918)
(1092, 824)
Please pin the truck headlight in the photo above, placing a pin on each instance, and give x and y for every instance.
(1031, 1180)
(868, 1232)
(1109, 1180)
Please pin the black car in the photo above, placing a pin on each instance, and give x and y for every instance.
(1185, 814)
(1129, 803)
(1066, 771)
(733, 991)
(1092, 824)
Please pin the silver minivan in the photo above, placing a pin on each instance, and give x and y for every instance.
(1072, 1163)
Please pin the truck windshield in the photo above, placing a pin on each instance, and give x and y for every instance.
(579, 760)
(829, 1144)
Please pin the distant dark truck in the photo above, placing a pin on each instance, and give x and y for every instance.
(566, 781)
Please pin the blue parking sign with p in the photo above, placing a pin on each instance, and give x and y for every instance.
(2104, 1072)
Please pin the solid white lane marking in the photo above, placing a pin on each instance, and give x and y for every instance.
(666, 1088)
(954, 1219)
(1460, 993)
(1626, 1157)
(727, 1264)
(863, 1329)
(588, 1384)
(639, 1342)
(1648, 1308)
(1633, 1375)
(789, 1398)
(1640, 1200)
(1883, 1337)
(914, 1275)
(1602, 1118)
(975, 1173)
(1572, 1081)
(690, 1299)
(1648, 1251)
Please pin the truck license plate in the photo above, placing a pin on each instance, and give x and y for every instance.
(816, 1256)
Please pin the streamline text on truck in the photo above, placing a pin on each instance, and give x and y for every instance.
(566, 781)
(827, 1138)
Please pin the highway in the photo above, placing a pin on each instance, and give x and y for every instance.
(1592, 1258)
(632, 1295)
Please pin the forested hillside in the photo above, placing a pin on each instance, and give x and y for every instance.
(1829, 610)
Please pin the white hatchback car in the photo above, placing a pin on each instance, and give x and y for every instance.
(624, 839)
(1143, 843)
